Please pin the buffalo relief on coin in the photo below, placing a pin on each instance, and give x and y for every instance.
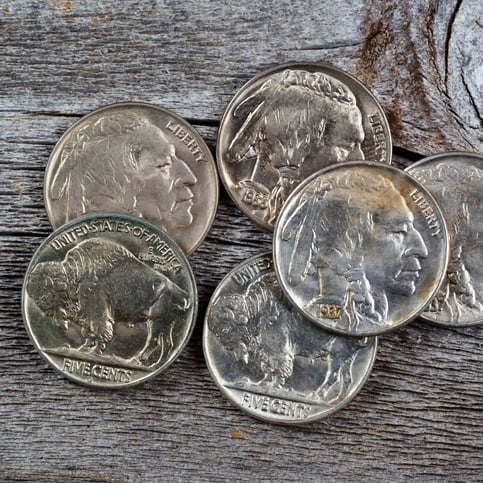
(137, 159)
(456, 180)
(289, 122)
(361, 248)
(109, 300)
(269, 360)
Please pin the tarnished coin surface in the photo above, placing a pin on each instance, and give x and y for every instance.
(456, 182)
(361, 248)
(109, 300)
(289, 122)
(271, 361)
(138, 159)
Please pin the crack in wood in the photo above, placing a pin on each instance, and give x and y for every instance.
(322, 47)
(448, 41)
(470, 95)
(408, 154)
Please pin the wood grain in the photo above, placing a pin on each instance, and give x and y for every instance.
(420, 415)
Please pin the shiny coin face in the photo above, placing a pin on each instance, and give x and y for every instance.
(289, 122)
(109, 300)
(271, 361)
(361, 248)
(456, 180)
(137, 159)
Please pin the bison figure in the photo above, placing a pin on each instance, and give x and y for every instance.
(99, 284)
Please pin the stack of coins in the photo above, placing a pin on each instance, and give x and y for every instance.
(359, 247)
(109, 298)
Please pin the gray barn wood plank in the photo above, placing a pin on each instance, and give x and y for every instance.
(420, 415)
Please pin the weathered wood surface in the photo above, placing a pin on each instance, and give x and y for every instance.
(419, 416)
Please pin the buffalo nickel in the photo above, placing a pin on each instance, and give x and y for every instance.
(109, 300)
(271, 361)
(361, 248)
(138, 159)
(456, 180)
(289, 122)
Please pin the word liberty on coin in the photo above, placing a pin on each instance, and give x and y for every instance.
(360, 248)
(456, 180)
(137, 159)
(272, 362)
(289, 122)
(109, 300)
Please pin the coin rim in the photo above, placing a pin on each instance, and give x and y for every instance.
(235, 99)
(209, 363)
(427, 160)
(133, 219)
(369, 164)
(119, 105)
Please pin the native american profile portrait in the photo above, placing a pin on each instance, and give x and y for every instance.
(354, 240)
(296, 123)
(460, 297)
(124, 163)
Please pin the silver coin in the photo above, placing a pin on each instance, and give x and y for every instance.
(138, 159)
(361, 248)
(289, 122)
(109, 300)
(455, 180)
(269, 360)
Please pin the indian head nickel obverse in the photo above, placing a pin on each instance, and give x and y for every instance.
(109, 300)
(269, 360)
(138, 159)
(289, 122)
(456, 181)
(361, 248)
